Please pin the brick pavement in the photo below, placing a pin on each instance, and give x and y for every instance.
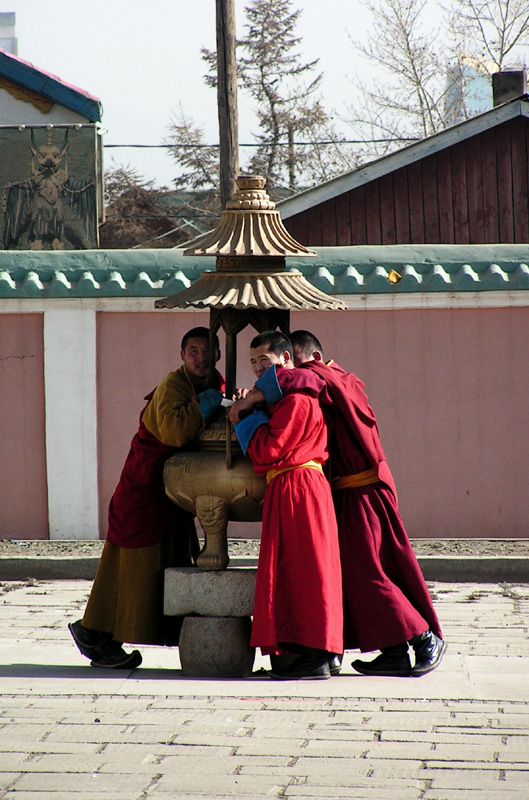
(70, 731)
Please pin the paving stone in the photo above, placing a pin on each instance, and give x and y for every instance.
(350, 793)
(49, 782)
(460, 733)
(89, 793)
(229, 785)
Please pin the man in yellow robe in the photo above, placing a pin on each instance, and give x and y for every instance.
(146, 531)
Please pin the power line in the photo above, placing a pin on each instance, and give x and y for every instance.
(160, 216)
(268, 144)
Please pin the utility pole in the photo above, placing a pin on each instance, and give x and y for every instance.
(227, 99)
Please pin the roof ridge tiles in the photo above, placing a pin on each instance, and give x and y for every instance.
(350, 270)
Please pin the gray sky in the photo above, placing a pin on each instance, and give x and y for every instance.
(142, 58)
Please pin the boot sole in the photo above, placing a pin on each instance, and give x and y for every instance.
(277, 677)
(382, 674)
(132, 661)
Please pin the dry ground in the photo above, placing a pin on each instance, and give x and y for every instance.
(241, 547)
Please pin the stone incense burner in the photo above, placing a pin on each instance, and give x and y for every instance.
(200, 481)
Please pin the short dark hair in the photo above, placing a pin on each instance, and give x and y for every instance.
(306, 341)
(198, 333)
(276, 341)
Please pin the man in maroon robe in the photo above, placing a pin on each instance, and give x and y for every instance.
(386, 602)
(146, 531)
(298, 595)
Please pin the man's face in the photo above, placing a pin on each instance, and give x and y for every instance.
(196, 357)
(261, 358)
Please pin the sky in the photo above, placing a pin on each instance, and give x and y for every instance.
(141, 58)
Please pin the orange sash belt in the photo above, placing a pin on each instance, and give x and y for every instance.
(352, 481)
(273, 473)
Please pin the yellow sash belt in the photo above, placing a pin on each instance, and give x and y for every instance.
(273, 473)
(360, 479)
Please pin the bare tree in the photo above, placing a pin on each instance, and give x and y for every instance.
(495, 30)
(424, 73)
(406, 100)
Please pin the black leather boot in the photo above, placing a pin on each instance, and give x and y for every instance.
(335, 663)
(392, 661)
(101, 649)
(310, 664)
(429, 650)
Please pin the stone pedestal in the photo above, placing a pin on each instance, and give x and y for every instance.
(217, 606)
(216, 647)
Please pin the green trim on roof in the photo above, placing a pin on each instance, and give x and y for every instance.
(335, 270)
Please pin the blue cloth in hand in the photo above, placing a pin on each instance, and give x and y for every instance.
(246, 428)
(208, 402)
(269, 386)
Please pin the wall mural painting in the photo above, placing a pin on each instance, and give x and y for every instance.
(48, 181)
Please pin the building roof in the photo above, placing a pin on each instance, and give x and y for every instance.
(50, 86)
(344, 271)
(404, 156)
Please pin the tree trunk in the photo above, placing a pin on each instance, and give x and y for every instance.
(227, 99)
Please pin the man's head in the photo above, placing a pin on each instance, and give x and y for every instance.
(196, 356)
(270, 347)
(306, 347)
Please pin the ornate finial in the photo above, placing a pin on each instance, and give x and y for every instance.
(250, 226)
(251, 194)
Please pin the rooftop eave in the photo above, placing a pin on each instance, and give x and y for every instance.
(50, 86)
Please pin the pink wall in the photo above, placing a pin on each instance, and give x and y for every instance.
(450, 389)
(23, 492)
(134, 352)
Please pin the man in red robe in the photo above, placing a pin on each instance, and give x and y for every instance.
(146, 531)
(298, 595)
(386, 601)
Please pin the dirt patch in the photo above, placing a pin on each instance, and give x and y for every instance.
(250, 547)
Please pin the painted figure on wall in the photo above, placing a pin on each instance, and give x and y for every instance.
(37, 207)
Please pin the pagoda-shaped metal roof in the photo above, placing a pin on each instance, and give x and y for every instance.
(250, 244)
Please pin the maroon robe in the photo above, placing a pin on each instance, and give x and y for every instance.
(140, 513)
(386, 600)
(298, 595)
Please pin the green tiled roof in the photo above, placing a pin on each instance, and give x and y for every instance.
(335, 270)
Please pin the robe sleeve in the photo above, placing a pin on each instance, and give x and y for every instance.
(173, 414)
(246, 428)
(298, 380)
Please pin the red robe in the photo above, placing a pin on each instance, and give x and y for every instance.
(298, 596)
(386, 600)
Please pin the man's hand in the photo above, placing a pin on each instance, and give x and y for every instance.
(238, 408)
(245, 404)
